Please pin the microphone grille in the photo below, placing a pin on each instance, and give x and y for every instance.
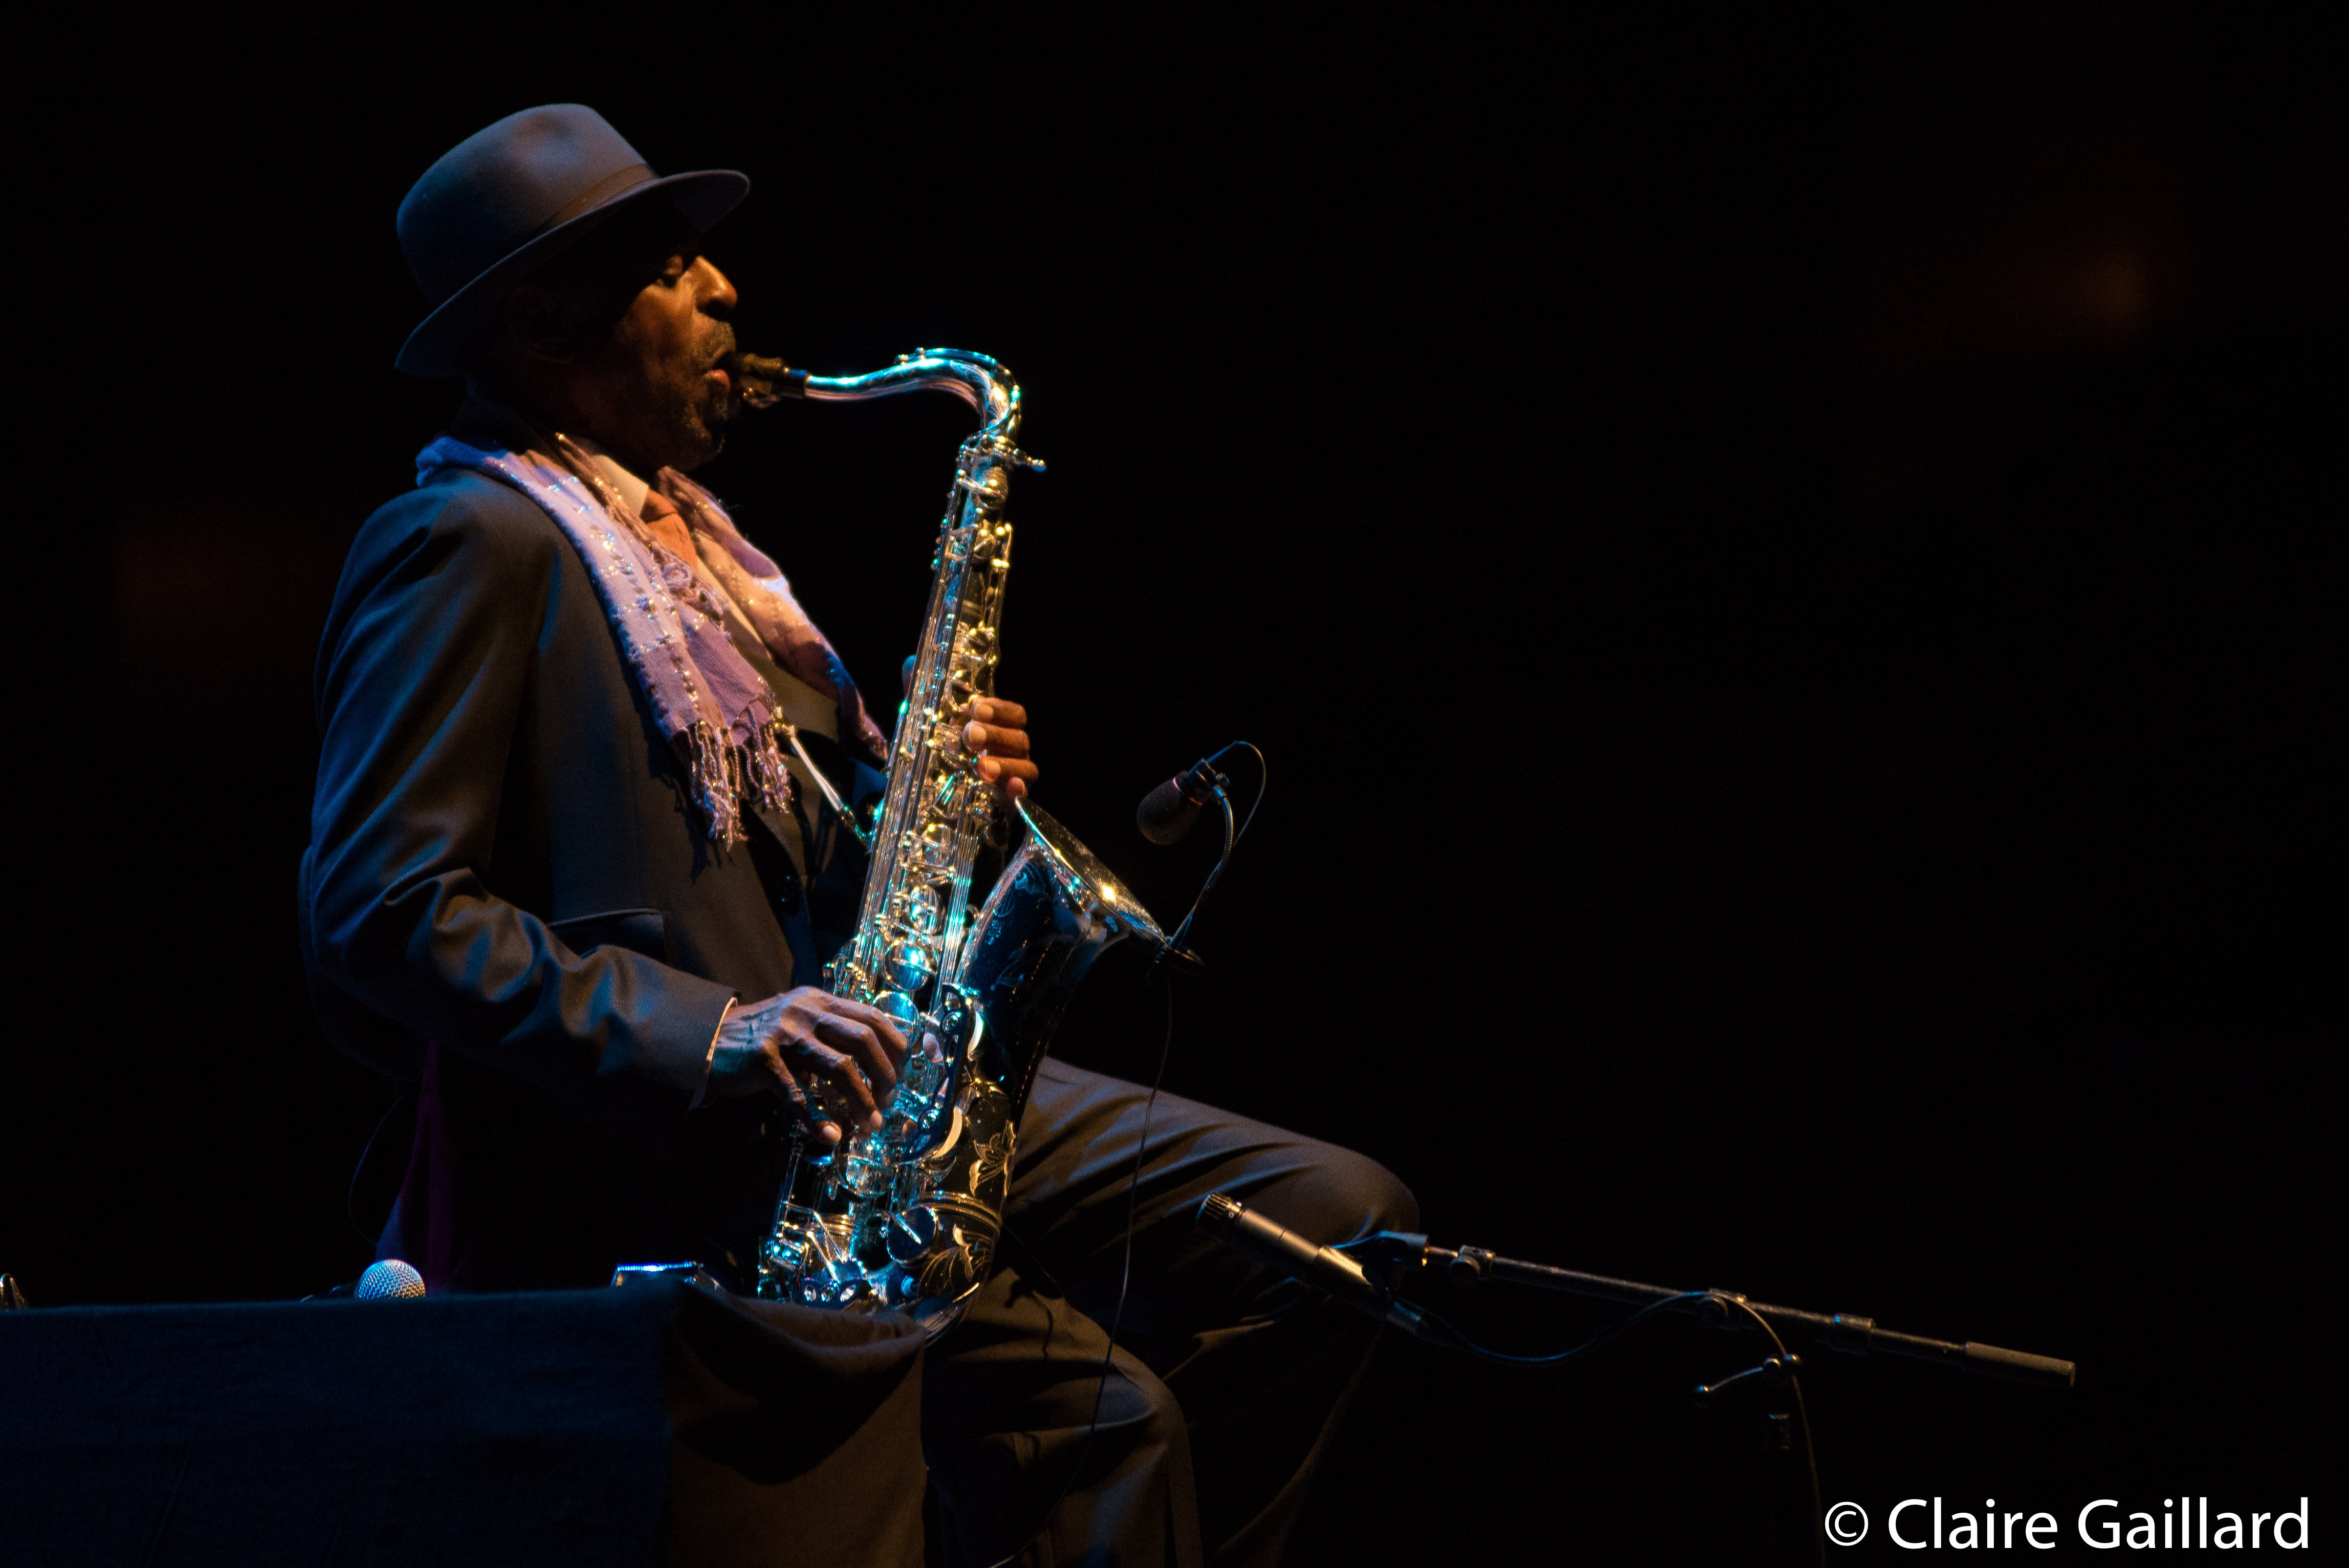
(389, 1280)
(1218, 1210)
(1165, 814)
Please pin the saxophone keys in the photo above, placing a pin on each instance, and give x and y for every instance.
(902, 1011)
(910, 967)
(921, 909)
(911, 1231)
(936, 849)
(869, 1169)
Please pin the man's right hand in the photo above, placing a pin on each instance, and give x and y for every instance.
(810, 1049)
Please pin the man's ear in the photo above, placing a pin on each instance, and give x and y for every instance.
(539, 325)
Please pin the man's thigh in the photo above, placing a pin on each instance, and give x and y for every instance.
(1075, 1180)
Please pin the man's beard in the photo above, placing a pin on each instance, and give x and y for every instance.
(683, 419)
(695, 426)
(694, 420)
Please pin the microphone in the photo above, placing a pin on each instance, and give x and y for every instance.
(1167, 812)
(1326, 1269)
(390, 1280)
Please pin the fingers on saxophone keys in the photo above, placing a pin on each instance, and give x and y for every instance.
(1006, 771)
(860, 1045)
(884, 1029)
(848, 1096)
(800, 1097)
(995, 739)
(995, 710)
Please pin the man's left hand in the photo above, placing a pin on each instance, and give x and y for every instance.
(996, 731)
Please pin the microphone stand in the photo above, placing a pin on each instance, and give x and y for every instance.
(1796, 1533)
(1364, 1274)
(1396, 1256)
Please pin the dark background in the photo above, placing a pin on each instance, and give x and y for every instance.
(1785, 572)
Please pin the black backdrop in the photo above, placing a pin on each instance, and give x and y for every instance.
(1780, 571)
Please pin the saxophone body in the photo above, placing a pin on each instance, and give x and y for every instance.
(909, 1217)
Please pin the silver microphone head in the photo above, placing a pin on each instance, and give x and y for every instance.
(389, 1280)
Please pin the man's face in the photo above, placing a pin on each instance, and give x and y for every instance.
(631, 339)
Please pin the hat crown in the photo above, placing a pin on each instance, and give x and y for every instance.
(493, 190)
(508, 200)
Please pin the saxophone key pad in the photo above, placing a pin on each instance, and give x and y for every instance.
(909, 968)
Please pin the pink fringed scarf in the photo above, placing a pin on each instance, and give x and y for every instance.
(671, 623)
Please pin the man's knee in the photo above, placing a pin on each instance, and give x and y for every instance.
(1387, 1203)
(1352, 1196)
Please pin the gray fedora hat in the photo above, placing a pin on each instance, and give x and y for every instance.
(506, 201)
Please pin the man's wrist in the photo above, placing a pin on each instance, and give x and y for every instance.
(709, 1058)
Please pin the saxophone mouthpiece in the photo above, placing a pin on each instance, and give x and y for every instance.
(761, 382)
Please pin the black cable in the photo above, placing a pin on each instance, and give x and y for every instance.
(1232, 835)
(351, 1193)
(1558, 1358)
(1263, 777)
(1125, 1282)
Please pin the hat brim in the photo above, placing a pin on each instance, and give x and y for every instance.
(702, 198)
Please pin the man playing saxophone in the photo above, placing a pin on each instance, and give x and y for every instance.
(567, 878)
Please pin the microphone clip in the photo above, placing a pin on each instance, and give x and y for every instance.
(1772, 1372)
(1201, 782)
(1174, 960)
(1390, 1254)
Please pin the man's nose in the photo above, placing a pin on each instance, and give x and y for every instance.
(718, 295)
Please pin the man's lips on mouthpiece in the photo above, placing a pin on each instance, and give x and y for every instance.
(725, 382)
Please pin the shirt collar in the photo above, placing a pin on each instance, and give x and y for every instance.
(632, 488)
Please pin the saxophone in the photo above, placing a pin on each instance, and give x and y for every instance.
(908, 1217)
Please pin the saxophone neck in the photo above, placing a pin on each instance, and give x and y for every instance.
(979, 381)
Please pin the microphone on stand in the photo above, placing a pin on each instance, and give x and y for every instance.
(1326, 1269)
(1170, 812)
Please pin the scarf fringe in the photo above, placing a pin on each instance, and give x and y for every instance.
(716, 780)
(763, 768)
(723, 773)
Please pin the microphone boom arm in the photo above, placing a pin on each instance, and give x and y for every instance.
(1363, 1273)
(1392, 1252)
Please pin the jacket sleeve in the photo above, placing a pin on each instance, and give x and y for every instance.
(428, 657)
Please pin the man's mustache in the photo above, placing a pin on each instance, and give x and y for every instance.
(720, 351)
